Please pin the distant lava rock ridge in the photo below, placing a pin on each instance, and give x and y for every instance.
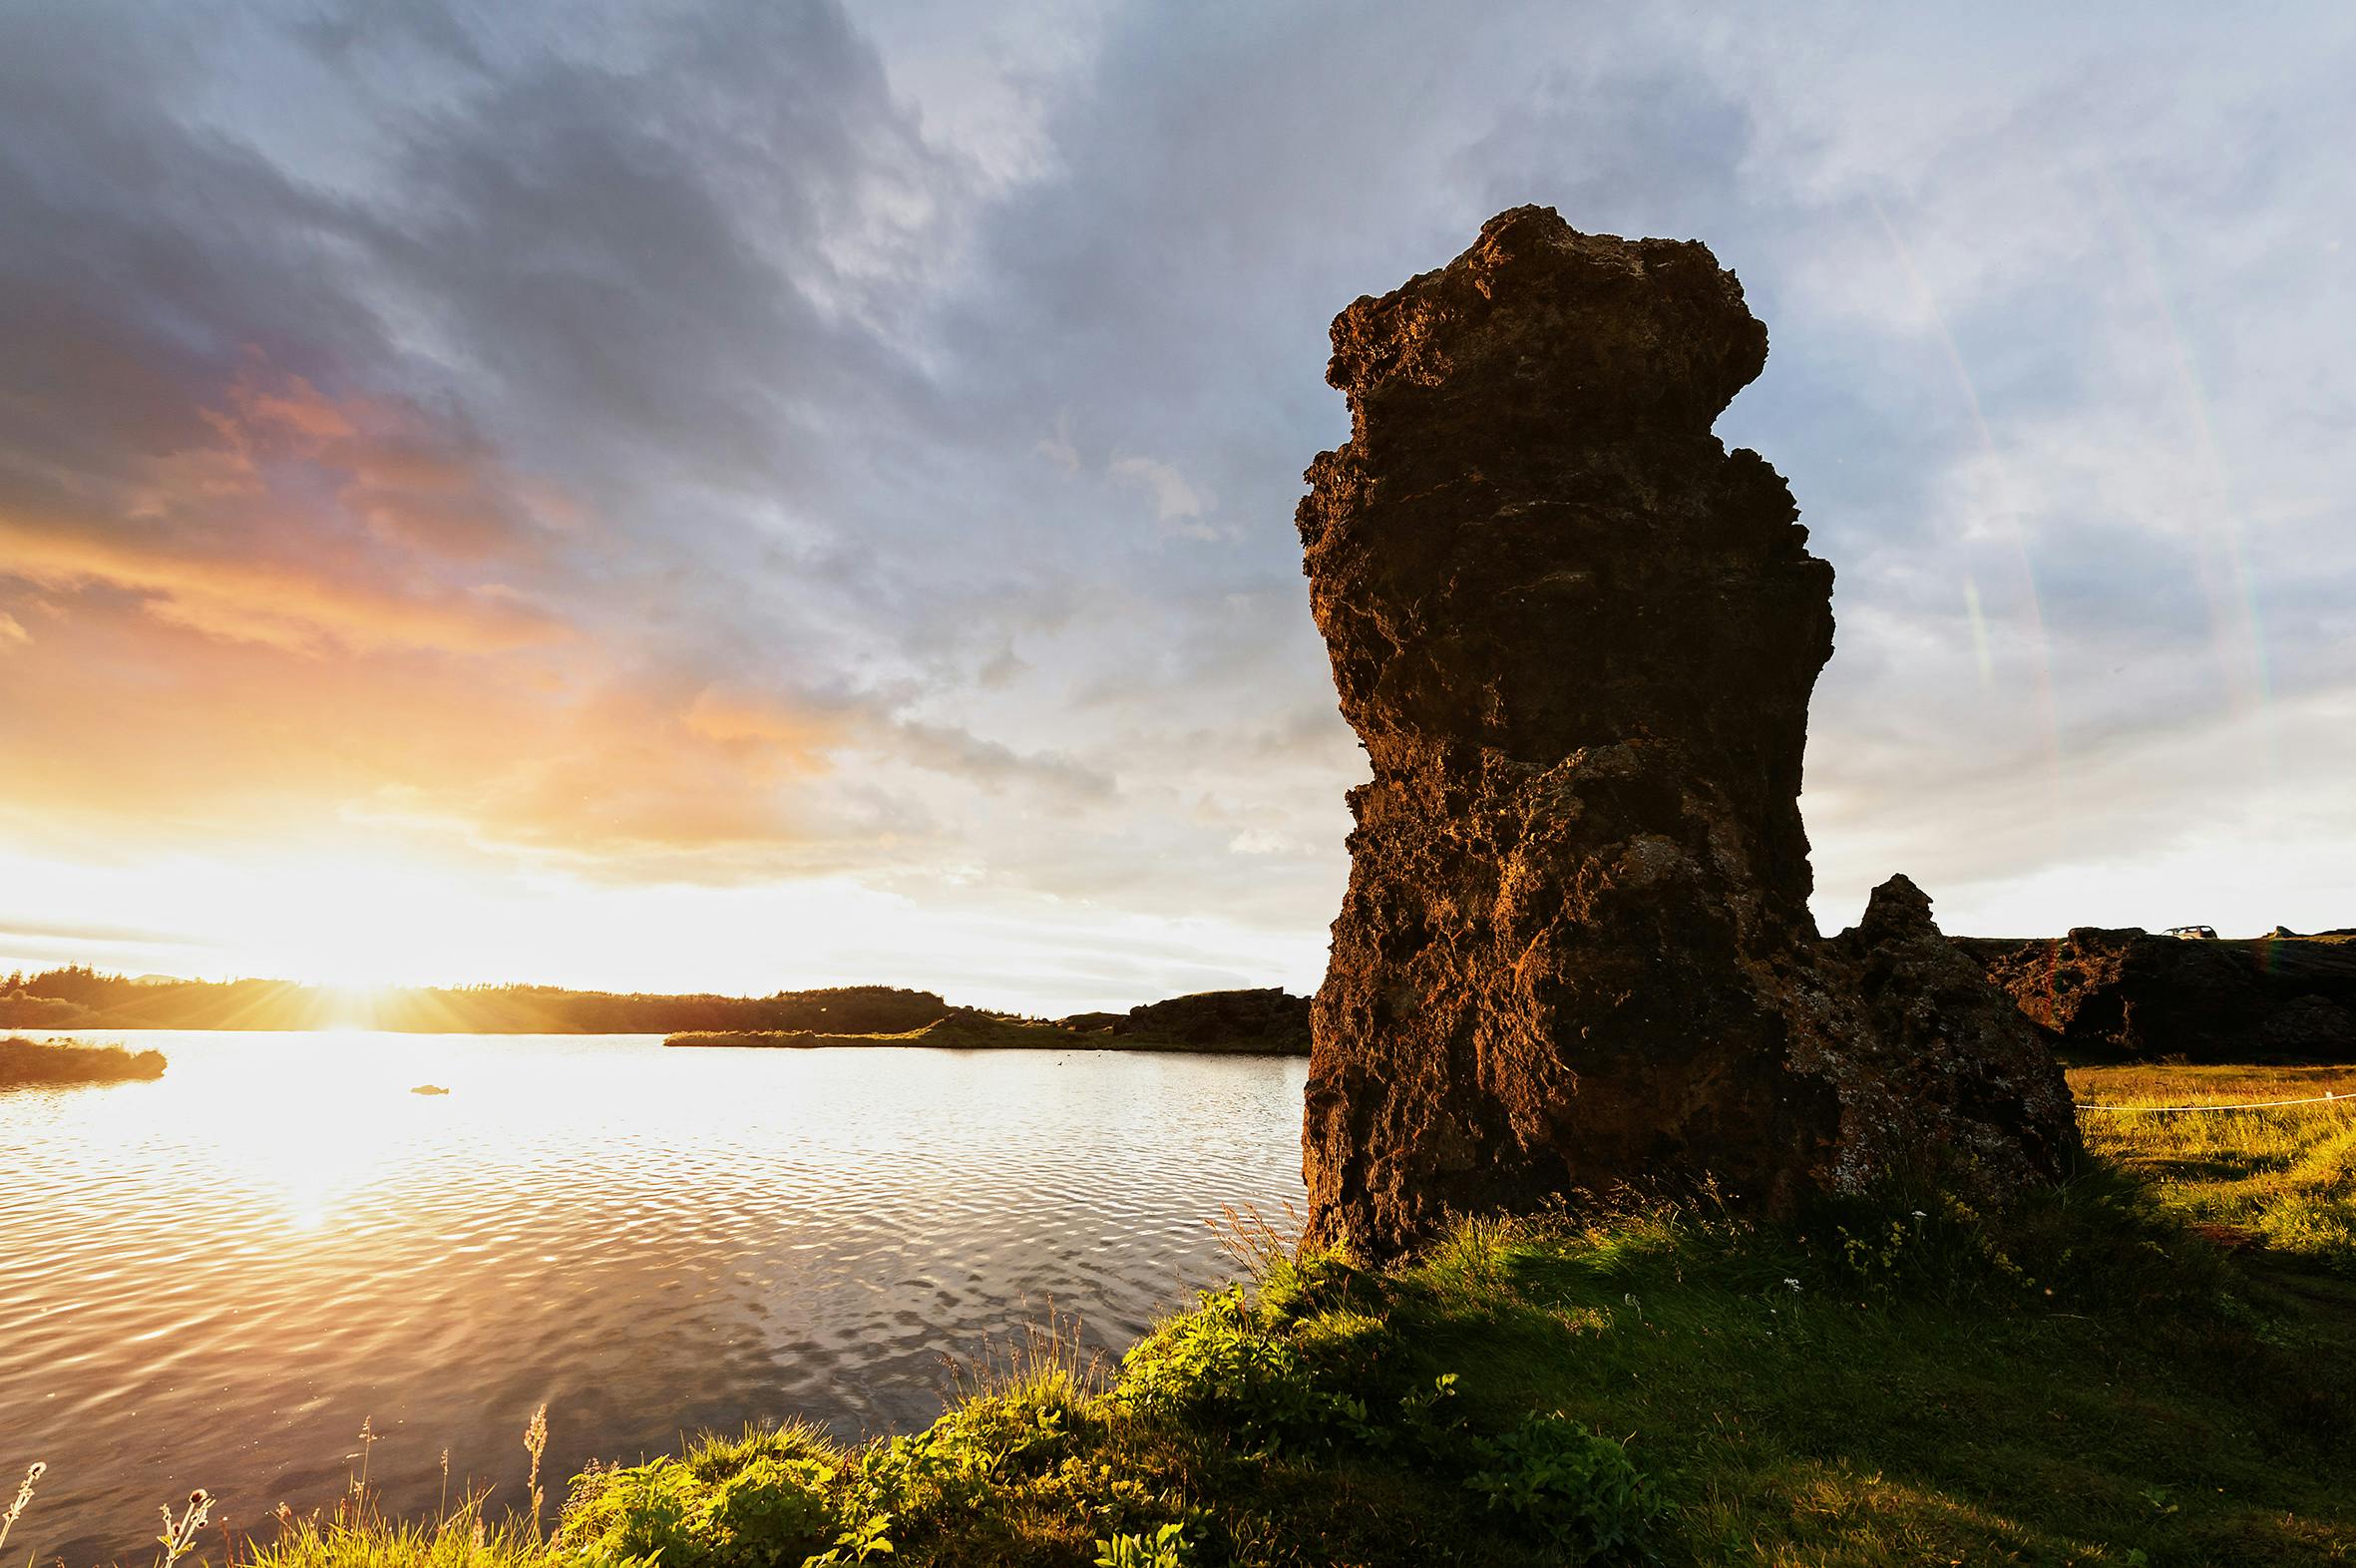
(2128, 994)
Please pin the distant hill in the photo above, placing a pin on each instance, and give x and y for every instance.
(1267, 1022)
(80, 997)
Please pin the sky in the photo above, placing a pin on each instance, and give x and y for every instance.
(746, 495)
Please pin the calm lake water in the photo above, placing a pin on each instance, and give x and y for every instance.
(210, 1280)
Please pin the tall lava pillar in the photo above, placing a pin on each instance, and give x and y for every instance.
(1577, 637)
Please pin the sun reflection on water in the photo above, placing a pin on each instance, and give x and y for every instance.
(279, 1237)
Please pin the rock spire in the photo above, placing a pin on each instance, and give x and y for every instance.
(1577, 637)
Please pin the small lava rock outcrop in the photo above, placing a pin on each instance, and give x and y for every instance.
(1270, 1020)
(2126, 992)
(1577, 638)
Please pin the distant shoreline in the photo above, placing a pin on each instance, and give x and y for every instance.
(1047, 1038)
(76, 997)
(1008, 1036)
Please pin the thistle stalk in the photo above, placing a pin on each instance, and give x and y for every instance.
(180, 1537)
(24, 1495)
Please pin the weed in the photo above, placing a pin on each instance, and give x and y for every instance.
(1165, 1548)
(755, 1504)
(179, 1535)
(1577, 1487)
(535, 1445)
(360, 1484)
(1265, 1381)
(24, 1495)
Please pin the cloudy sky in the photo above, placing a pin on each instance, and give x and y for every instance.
(768, 494)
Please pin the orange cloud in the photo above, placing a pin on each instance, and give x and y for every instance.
(139, 734)
(305, 520)
(280, 604)
(719, 714)
(328, 611)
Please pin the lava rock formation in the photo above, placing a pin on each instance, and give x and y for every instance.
(1270, 1019)
(2126, 993)
(1577, 638)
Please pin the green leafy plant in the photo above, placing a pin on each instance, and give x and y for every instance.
(1264, 1380)
(753, 1505)
(1165, 1548)
(862, 1541)
(1579, 1488)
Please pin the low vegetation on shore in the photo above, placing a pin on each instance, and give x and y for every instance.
(33, 1065)
(2104, 1375)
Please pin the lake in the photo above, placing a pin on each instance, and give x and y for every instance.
(212, 1279)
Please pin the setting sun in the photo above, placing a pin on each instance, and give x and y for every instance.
(1087, 785)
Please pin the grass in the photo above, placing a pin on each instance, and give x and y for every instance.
(31, 1064)
(2085, 1379)
(2281, 1178)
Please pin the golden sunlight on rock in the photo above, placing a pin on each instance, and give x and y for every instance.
(674, 799)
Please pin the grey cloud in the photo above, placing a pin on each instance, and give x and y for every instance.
(950, 749)
(711, 270)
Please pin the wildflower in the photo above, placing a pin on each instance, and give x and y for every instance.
(1918, 1214)
(1794, 1283)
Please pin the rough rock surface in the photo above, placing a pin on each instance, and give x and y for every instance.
(2124, 991)
(1577, 638)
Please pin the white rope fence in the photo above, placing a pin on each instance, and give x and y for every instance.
(2320, 1100)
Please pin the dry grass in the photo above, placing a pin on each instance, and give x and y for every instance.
(1254, 1243)
(1045, 1360)
(355, 1533)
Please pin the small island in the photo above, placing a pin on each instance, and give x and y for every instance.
(30, 1064)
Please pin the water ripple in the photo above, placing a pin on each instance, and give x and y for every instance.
(212, 1279)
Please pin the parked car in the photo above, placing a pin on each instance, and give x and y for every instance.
(2192, 933)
